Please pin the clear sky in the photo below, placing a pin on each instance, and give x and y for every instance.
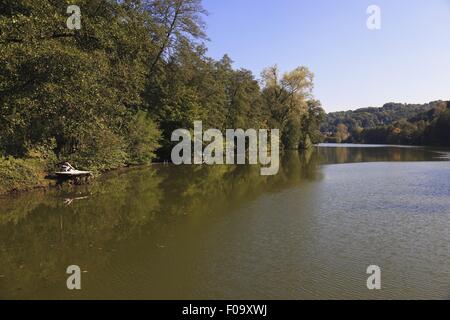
(408, 60)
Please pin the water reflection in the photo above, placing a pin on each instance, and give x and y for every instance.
(42, 233)
(341, 153)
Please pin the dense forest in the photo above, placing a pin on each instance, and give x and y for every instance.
(394, 123)
(110, 94)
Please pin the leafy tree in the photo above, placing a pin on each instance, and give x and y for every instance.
(79, 87)
(310, 131)
(286, 99)
(342, 133)
(111, 93)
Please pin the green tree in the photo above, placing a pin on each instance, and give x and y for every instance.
(79, 87)
(285, 96)
(342, 133)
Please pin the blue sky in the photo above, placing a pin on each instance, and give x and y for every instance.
(408, 60)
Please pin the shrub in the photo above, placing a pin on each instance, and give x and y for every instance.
(19, 174)
(143, 139)
(97, 150)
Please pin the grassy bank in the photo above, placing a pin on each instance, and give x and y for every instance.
(22, 174)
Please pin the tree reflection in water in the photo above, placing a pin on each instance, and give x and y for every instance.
(41, 233)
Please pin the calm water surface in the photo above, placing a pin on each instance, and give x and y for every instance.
(310, 232)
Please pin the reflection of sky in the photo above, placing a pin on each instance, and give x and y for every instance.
(406, 61)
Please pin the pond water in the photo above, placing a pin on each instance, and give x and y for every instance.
(225, 232)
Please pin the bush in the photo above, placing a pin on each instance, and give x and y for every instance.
(306, 143)
(97, 150)
(19, 174)
(143, 139)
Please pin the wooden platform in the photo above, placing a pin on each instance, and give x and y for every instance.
(73, 174)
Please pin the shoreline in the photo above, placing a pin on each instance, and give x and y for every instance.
(44, 182)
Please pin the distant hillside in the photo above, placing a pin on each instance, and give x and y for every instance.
(366, 118)
(393, 123)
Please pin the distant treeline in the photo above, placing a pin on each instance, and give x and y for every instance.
(111, 93)
(394, 123)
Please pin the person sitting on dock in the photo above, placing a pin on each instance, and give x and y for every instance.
(67, 167)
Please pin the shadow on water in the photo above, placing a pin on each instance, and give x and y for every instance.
(41, 233)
